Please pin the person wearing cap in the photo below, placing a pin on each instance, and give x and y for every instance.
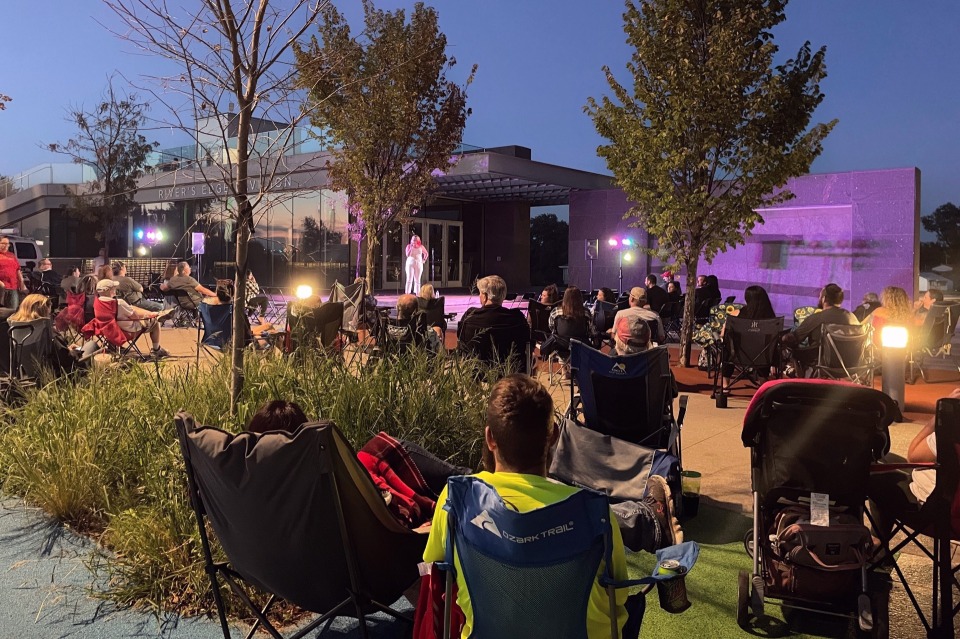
(130, 290)
(631, 335)
(638, 303)
(131, 319)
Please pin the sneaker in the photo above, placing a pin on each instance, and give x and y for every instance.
(159, 353)
(658, 499)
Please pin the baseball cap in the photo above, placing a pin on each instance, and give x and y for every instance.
(632, 333)
(105, 285)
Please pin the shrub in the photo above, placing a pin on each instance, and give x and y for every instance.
(100, 454)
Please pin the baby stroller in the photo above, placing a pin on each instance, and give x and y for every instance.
(812, 443)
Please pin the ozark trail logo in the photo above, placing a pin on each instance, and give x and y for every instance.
(619, 368)
(485, 522)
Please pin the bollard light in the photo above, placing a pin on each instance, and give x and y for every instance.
(304, 291)
(893, 337)
(893, 362)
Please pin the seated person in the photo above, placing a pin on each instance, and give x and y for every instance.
(426, 301)
(932, 297)
(870, 303)
(494, 333)
(131, 319)
(578, 323)
(69, 283)
(254, 297)
(520, 432)
(638, 307)
(632, 335)
(45, 273)
(668, 279)
(897, 493)
(277, 415)
(130, 290)
(656, 295)
(550, 295)
(404, 329)
(831, 297)
(673, 292)
(222, 296)
(50, 349)
(184, 282)
(894, 310)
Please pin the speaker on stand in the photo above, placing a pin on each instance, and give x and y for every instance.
(591, 252)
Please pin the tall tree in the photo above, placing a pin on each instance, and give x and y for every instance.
(548, 248)
(944, 222)
(234, 74)
(8, 186)
(109, 141)
(385, 104)
(712, 129)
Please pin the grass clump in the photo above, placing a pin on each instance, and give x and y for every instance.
(100, 454)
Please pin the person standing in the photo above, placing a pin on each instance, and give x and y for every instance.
(416, 256)
(11, 277)
(100, 261)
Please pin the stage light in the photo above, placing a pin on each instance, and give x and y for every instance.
(626, 241)
(158, 236)
(628, 257)
(612, 241)
(139, 234)
(304, 291)
(141, 250)
(893, 337)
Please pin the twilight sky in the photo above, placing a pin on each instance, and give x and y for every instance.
(894, 77)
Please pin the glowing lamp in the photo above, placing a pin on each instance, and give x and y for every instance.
(304, 291)
(142, 250)
(628, 257)
(626, 241)
(893, 337)
(139, 234)
(158, 236)
(612, 241)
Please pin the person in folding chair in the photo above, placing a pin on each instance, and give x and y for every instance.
(121, 323)
(520, 433)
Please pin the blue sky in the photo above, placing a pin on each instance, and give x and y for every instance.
(893, 77)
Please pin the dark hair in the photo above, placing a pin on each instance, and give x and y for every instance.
(572, 305)
(935, 294)
(520, 419)
(832, 294)
(223, 294)
(608, 295)
(117, 266)
(406, 306)
(651, 279)
(757, 305)
(553, 293)
(72, 269)
(277, 415)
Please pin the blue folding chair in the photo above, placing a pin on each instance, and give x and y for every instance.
(533, 572)
(216, 321)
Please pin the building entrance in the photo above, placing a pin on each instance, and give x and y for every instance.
(443, 240)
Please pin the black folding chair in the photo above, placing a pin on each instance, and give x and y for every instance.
(187, 309)
(299, 519)
(316, 327)
(846, 353)
(539, 317)
(933, 343)
(750, 350)
(31, 346)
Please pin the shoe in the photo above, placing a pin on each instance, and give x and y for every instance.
(659, 501)
(159, 353)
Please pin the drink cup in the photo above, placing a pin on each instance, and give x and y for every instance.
(690, 493)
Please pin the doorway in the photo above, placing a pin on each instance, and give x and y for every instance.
(444, 243)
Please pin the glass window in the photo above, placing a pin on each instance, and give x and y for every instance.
(25, 250)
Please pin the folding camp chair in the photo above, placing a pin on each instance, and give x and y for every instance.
(316, 327)
(31, 347)
(104, 326)
(846, 353)
(933, 341)
(433, 313)
(750, 349)
(298, 518)
(539, 317)
(603, 314)
(539, 588)
(937, 518)
(186, 308)
(672, 317)
(565, 330)
(352, 298)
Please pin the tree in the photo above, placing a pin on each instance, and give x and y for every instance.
(314, 237)
(234, 75)
(387, 108)
(108, 141)
(712, 129)
(944, 222)
(548, 248)
(7, 186)
(3, 100)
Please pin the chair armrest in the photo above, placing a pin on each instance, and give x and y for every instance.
(889, 468)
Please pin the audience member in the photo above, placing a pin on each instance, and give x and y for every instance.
(11, 277)
(707, 296)
(606, 295)
(701, 281)
(870, 303)
(277, 415)
(43, 347)
(520, 433)
(69, 283)
(895, 310)
(932, 297)
(668, 279)
(637, 301)
(100, 261)
(656, 295)
(550, 295)
(429, 303)
(105, 272)
(571, 307)
(184, 282)
(130, 290)
(831, 297)
(34, 306)
(494, 333)
(45, 275)
(254, 299)
(168, 274)
(673, 291)
(631, 334)
(88, 286)
(756, 304)
(131, 319)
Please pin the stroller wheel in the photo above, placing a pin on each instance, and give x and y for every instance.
(743, 599)
(748, 543)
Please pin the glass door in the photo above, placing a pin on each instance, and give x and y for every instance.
(445, 249)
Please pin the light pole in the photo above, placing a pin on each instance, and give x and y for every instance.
(621, 244)
(893, 362)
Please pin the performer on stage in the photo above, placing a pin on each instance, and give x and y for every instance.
(416, 256)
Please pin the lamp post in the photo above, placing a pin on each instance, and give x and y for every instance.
(893, 361)
(621, 245)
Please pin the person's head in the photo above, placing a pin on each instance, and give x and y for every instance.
(107, 287)
(701, 281)
(572, 303)
(415, 240)
(33, 306)
(831, 295)
(223, 294)
(895, 300)
(87, 284)
(871, 299)
(638, 297)
(250, 277)
(171, 270)
(606, 295)
(119, 268)
(406, 306)
(4, 243)
(73, 271)
(102, 252)
(183, 268)
(519, 426)
(105, 272)
(631, 335)
(650, 280)
(550, 294)
(277, 415)
(931, 297)
(667, 276)
(673, 287)
(712, 282)
(492, 289)
(757, 304)
(427, 292)
(45, 264)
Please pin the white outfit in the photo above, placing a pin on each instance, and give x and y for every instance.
(416, 256)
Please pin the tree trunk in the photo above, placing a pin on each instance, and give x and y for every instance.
(689, 317)
(244, 225)
(373, 241)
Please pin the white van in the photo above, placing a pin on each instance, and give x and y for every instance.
(26, 249)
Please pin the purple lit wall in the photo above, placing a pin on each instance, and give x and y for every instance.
(858, 229)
